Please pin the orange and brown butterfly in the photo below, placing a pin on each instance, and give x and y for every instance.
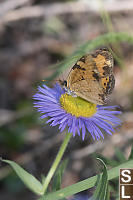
(91, 78)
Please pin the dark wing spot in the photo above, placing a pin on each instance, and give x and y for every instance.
(96, 76)
(104, 52)
(82, 78)
(95, 54)
(82, 59)
(104, 49)
(102, 96)
(78, 67)
(110, 85)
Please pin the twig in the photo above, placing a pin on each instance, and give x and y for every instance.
(66, 8)
(11, 5)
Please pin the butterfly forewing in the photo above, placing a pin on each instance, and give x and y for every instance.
(92, 77)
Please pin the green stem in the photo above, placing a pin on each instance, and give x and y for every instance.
(56, 162)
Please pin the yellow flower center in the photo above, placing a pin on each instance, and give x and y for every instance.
(77, 106)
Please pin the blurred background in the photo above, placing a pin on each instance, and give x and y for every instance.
(35, 35)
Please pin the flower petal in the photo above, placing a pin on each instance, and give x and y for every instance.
(47, 102)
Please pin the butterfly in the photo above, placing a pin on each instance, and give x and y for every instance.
(91, 78)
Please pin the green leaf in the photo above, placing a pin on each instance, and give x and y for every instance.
(120, 155)
(58, 176)
(101, 191)
(107, 161)
(29, 180)
(86, 184)
(108, 193)
(131, 154)
(64, 199)
(43, 179)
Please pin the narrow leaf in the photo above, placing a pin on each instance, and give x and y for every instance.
(86, 184)
(131, 154)
(29, 180)
(120, 155)
(108, 161)
(101, 191)
(58, 176)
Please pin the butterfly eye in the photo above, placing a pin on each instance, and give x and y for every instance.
(65, 83)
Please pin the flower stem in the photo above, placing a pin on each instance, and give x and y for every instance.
(56, 162)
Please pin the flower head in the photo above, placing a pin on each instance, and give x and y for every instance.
(75, 113)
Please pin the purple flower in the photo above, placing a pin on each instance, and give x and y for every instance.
(75, 114)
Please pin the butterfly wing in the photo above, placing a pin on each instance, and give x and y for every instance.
(91, 78)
